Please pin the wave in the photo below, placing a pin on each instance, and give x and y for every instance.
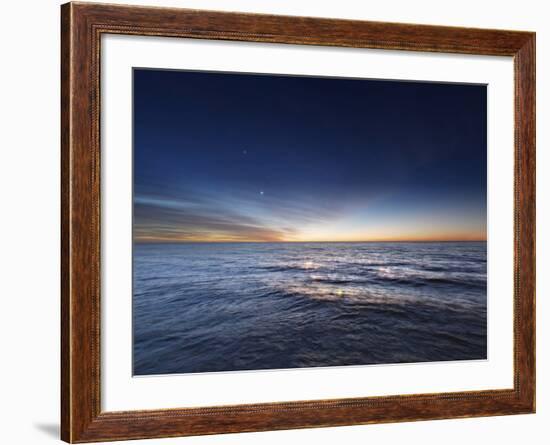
(427, 281)
(403, 281)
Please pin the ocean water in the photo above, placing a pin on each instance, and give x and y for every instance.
(208, 307)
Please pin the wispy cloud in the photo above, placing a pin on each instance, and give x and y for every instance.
(199, 216)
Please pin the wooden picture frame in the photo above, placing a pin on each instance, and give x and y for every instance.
(82, 25)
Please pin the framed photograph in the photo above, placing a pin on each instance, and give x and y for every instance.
(275, 222)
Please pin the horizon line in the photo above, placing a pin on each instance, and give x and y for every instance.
(135, 241)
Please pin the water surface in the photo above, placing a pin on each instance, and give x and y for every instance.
(247, 306)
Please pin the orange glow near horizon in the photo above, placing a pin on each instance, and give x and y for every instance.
(364, 225)
(380, 237)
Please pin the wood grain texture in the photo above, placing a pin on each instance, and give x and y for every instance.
(82, 25)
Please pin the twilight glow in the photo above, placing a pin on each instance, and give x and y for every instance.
(260, 158)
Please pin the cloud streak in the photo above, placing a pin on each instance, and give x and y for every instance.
(199, 218)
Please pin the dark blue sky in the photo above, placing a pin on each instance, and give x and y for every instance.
(240, 157)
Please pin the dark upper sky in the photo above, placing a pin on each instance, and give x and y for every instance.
(239, 157)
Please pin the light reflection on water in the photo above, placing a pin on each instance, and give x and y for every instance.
(241, 306)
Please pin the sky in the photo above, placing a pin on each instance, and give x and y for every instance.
(227, 157)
